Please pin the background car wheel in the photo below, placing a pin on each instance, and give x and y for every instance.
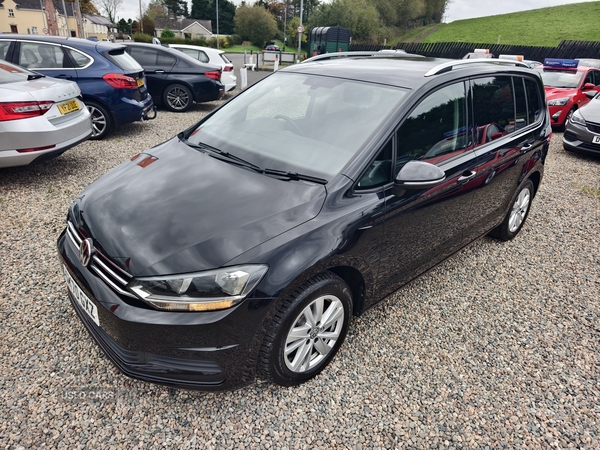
(567, 119)
(307, 331)
(102, 121)
(177, 98)
(514, 220)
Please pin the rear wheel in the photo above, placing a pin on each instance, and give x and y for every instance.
(102, 122)
(514, 220)
(307, 331)
(177, 98)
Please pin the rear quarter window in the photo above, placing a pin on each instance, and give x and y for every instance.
(124, 60)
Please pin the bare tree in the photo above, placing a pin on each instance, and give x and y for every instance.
(110, 8)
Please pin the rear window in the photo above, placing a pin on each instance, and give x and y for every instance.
(10, 73)
(124, 60)
(224, 58)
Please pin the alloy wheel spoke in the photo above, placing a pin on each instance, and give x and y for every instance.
(300, 361)
(321, 347)
(300, 332)
(332, 315)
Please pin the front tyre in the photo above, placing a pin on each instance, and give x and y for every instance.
(307, 331)
(514, 220)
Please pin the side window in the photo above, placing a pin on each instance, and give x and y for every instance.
(596, 77)
(164, 59)
(144, 56)
(202, 57)
(34, 55)
(188, 51)
(534, 105)
(520, 103)
(79, 59)
(437, 129)
(493, 105)
(379, 173)
(589, 78)
(4, 49)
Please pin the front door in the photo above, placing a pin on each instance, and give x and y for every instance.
(423, 227)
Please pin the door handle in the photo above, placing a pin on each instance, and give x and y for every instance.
(525, 148)
(64, 77)
(159, 71)
(466, 176)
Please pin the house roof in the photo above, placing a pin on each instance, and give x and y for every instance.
(98, 19)
(180, 24)
(36, 4)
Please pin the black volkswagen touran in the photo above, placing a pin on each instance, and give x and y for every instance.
(244, 245)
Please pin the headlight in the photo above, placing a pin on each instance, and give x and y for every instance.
(578, 118)
(559, 101)
(204, 291)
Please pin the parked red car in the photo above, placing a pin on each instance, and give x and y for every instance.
(566, 81)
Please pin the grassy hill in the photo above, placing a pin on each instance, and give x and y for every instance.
(542, 27)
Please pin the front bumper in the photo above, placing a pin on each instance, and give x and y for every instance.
(558, 114)
(578, 138)
(206, 351)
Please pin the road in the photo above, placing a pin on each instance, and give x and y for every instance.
(253, 76)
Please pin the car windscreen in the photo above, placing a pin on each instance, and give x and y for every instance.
(123, 60)
(561, 78)
(300, 123)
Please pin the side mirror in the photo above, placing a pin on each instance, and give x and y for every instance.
(497, 135)
(417, 175)
(591, 94)
(588, 86)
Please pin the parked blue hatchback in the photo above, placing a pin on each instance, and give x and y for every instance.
(112, 83)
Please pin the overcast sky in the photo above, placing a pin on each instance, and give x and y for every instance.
(457, 9)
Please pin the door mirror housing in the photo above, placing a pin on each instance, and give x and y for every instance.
(418, 175)
(588, 86)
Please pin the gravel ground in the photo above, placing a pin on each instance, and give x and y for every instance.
(497, 347)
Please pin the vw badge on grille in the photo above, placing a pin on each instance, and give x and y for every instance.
(85, 251)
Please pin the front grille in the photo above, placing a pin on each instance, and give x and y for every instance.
(593, 127)
(102, 266)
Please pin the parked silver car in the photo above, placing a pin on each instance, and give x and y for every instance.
(582, 133)
(40, 117)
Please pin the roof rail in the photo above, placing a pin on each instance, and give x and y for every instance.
(448, 66)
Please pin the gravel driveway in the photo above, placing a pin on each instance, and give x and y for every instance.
(497, 347)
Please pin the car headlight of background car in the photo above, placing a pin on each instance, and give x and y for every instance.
(578, 118)
(558, 101)
(204, 291)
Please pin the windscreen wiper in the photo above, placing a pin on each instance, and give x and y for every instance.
(222, 155)
(294, 176)
(34, 76)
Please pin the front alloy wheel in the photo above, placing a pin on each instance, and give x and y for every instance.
(307, 330)
(314, 333)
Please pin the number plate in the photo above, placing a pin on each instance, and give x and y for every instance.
(68, 107)
(596, 140)
(84, 301)
(140, 82)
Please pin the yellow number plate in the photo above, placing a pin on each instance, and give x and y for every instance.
(140, 82)
(67, 107)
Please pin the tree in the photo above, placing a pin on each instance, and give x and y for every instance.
(156, 8)
(166, 33)
(110, 8)
(206, 10)
(359, 16)
(176, 8)
(255, 24)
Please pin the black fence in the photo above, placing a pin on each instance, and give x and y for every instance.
(456, 50)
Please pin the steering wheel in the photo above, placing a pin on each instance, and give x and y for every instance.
(290, 121)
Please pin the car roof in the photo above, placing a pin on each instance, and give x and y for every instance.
(407, 72)
(73, 41)
(210, 49)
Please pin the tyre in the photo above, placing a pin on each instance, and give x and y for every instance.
(307, 331)
(102, 121)
(177, 98)
(519, 210)
(567, 119)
